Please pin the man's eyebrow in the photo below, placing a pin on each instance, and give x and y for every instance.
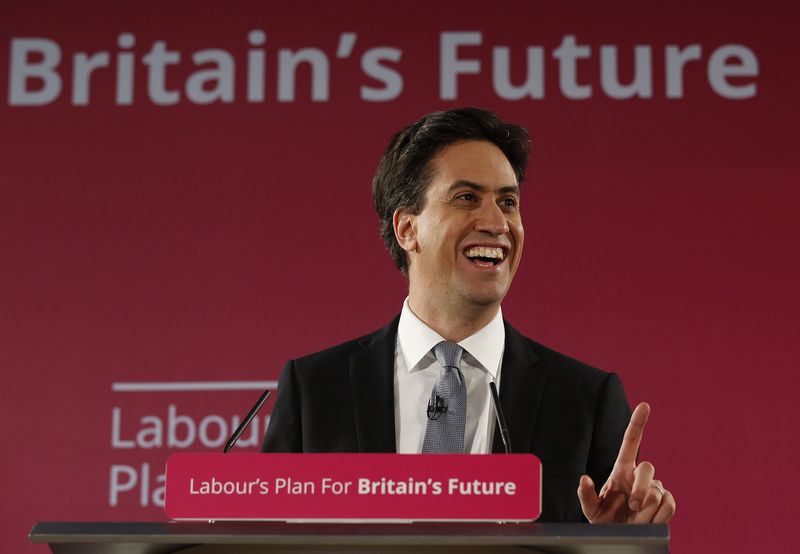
(512, 189)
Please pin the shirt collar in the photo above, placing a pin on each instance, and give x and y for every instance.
(416, 339)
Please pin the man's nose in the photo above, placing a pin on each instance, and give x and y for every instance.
(491, 219)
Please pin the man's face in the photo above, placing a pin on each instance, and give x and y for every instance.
(466, 243)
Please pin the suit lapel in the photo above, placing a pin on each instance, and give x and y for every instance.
(521, 388)
(372, 384)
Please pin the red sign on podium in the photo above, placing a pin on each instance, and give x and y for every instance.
(354, 487)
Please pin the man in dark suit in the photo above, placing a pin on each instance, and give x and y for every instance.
(448, 196)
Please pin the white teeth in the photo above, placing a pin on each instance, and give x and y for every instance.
(484, 252)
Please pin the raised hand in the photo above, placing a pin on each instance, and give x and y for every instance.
(630, 495)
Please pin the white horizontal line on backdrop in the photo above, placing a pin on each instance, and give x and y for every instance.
(175, 386)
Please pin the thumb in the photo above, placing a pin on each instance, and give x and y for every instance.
(590, 502)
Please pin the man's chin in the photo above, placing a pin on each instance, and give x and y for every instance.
(486, 297)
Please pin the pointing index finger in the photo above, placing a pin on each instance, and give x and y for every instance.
(633, 435)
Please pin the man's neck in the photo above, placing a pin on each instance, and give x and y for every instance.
(453, 324)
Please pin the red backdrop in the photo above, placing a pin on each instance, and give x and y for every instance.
(148, 237)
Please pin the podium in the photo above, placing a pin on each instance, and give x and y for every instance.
(396, 538)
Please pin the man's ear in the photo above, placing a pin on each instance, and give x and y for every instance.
(405, 229)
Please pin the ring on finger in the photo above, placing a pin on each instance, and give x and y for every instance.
(659, 487)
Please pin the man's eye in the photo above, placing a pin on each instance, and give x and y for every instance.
(468, 196)
(509, 202)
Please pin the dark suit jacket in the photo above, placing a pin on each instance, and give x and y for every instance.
(570, 415)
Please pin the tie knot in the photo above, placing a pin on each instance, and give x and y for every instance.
(448, 353)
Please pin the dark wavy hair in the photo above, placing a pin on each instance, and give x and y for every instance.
(405, 171)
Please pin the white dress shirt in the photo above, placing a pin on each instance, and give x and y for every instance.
(416, 369)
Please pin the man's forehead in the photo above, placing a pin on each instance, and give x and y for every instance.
(477, 163)
(480, 187)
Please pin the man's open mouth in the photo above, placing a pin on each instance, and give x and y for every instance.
(485, 255)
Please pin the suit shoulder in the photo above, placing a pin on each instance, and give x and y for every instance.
(561, 366)
(345, 350)
(567, 364)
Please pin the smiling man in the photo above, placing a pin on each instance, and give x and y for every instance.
(464, 246)
(447, 192)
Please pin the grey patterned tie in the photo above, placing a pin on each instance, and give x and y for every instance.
(447, 408)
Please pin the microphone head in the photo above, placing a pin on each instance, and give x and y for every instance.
(436, 407)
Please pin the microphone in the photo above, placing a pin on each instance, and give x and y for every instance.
(248, 418)
(501, 420)
(436, 407)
